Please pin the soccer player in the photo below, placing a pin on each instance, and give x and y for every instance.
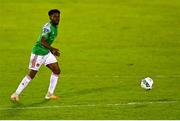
(43, 53)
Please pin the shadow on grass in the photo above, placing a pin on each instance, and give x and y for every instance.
(90, 90)
(16, 108)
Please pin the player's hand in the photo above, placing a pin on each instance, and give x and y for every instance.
(55, 51)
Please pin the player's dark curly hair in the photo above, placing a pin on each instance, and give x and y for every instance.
(52, 11)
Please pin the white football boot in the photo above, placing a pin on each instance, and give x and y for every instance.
(15, 97)
(51, 96)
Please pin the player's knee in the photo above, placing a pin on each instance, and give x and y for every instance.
(57, 71)
(31, 76)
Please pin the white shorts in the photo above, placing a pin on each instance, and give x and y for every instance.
(37, 60)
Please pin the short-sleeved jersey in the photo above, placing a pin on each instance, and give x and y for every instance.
(49, 31)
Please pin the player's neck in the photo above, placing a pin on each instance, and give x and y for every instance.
(53, 24)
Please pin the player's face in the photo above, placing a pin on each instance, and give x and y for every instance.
(55, 18)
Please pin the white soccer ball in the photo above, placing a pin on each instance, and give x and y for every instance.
(147, 83)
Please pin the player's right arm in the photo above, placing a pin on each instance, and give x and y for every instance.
(53, 50)
(45, 32)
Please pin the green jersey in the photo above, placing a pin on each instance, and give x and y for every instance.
(49, 31)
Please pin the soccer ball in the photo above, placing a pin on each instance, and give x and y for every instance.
(147, 83)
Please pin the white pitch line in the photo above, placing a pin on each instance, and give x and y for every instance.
(88, 105)
(124, 76)
(141, 103)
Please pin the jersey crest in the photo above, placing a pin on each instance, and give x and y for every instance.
(46, 28)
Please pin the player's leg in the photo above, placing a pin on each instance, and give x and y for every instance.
(34, 65)
(25, 81)
(54, 67)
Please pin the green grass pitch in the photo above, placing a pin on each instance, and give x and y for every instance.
(107, 47)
